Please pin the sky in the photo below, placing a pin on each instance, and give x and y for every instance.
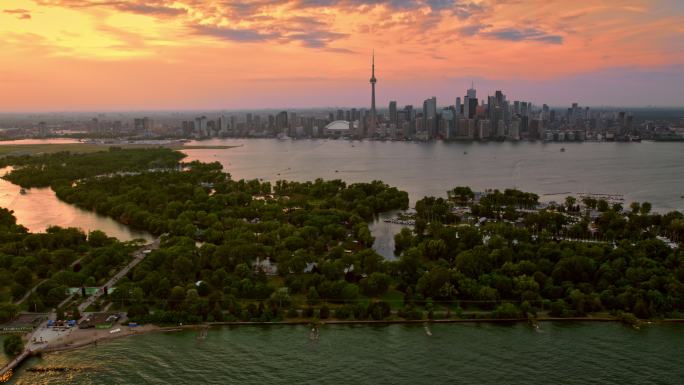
(101, 55)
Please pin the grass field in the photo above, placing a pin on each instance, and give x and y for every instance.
(32, 149)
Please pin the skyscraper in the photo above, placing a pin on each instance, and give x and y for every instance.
(393, 112)
(372, 126)
(430, 116)
(472, 94)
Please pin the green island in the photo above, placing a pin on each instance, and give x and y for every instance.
(249, 251)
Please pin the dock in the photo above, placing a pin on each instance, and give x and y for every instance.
(6, 372)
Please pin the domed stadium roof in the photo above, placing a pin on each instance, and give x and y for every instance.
(338, 125)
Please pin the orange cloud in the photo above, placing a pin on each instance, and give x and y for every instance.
(189, 49)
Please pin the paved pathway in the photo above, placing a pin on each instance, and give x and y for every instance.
(33, 289)
(42, 336)
(138, 256)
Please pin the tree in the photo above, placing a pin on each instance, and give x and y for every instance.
(324, 312)
(13, 345)
(379, 310)
(75, 314)
(645, 208)
(312, 297)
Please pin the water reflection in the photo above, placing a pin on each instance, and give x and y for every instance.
(39, 208)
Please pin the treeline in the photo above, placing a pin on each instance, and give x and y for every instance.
(316, 233)
(524, 260)
(54, 260)
(249, 250)
(63, 168)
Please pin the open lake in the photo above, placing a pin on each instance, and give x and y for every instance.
(557, 353)
(647, 171)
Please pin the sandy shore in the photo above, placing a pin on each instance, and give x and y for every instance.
(79, 338)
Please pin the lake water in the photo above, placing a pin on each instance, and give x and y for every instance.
(645, 171)
(557, 353)
(40, 208)
(567, 353)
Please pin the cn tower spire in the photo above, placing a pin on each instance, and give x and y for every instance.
(372, 126)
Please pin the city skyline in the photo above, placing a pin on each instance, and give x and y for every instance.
(79, 55)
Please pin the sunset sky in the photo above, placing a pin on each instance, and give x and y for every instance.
(61, 55)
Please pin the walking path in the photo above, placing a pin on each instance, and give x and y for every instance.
(41, 338)
(138, 256)
(33, 289)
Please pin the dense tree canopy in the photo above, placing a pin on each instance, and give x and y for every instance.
(250, 250)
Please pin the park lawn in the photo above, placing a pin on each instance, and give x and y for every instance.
(33, 149)
(48, 148)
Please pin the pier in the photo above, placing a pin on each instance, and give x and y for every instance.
(6, 372)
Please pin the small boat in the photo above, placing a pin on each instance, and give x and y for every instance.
(22, 191)
(465, 152)
(562, 149)
(427, 330)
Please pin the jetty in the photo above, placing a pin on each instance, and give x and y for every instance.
(6, 371)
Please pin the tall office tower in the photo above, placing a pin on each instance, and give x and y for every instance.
(281, 122)
(372, 126)
(430, 116)
(459, 109)
(516, 107)
(472, 108)
(499, 98)
(491, 107)
(250, 120)
(545, 112)
(466, 107)
(393, 112)
(201, 125)
(233, 123)
(471, 91)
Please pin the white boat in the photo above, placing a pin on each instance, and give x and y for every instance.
(114, 331)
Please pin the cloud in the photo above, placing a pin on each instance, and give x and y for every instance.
(523, 34)
(232, 34)
(150, 9)
(316, 39)
(158, 8)
(21, 14)
(471, 30)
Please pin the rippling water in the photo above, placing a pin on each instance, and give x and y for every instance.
(40, 208)
(557, 353)
(646, 171)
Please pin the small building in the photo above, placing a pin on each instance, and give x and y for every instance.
(265, 265)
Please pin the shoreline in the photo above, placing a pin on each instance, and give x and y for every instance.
(84, 339)
(149, 329)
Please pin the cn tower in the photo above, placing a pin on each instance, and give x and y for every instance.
(373, 118)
